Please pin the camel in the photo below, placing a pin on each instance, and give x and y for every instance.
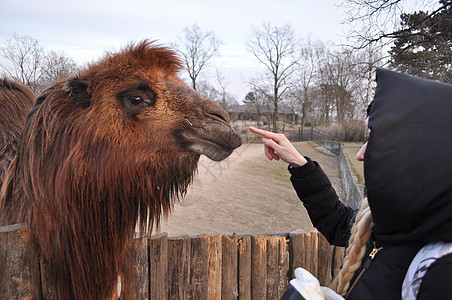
(116, 144)
(16, 100)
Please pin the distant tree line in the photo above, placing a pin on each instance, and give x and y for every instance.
(325, 83)
(321, 82)
(29, 63)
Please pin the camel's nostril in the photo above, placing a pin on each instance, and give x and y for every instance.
(219, 117)
(218, 114)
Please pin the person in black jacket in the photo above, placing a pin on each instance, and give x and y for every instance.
(400, 242)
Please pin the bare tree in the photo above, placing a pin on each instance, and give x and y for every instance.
(29, 63)
(379, 20)
(222, 82)
(24, 55)
(261, 102)
(56, 66)
(306, 72)
(339, 80)
(197, 49)
(275, 48)
(222, 97)
(254, 102)
(368, 59)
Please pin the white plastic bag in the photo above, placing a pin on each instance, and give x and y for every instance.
(309, 287)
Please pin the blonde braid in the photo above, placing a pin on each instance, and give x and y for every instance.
(360, 234)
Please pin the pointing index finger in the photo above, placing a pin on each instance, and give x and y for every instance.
(265, 133)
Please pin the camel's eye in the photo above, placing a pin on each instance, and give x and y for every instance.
(135, 100)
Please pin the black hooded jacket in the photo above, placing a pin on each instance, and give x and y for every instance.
(407, 164)
(408, 176)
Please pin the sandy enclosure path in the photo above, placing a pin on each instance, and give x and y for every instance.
(246, 194)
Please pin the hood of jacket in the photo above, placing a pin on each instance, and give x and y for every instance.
(408, 161)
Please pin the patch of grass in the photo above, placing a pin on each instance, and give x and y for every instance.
(357, 167)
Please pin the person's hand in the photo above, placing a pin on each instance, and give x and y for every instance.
(277, 146)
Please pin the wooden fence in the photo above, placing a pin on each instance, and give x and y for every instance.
(200, 267)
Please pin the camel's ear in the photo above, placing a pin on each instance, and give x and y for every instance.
(78, 89)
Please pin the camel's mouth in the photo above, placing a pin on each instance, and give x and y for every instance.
(216, 145)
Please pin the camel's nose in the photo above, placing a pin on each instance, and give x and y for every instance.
(214, 111)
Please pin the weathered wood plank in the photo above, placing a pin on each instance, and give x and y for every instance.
(244, 262)
(199, 267)
(297, 250)
(258, 267)
(311, 250)
(158, 266)
(215, 262)
(338, 259)
(19, 271)
(134, 272)
(325, 261)
(229, 288)
(272, 267)
(179, 251)
(283, 265)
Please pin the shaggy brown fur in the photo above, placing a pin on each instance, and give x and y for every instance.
(16, 101)
(119, 141)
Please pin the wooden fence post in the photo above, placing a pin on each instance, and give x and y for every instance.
(325, 261)
(215, 263)
(304, 252)
(283, 265)
(158, 269)
(244, 261)
(229, 268)
(258, 267)
(134, 272)
(296, 252)
(312, 252)
(179, 249)
(199, 267)
(19, 264)
(272, 268)
(338, 259)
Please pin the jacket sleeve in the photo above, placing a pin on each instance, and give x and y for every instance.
(327, 213)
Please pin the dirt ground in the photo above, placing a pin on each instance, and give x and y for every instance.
(246, 194)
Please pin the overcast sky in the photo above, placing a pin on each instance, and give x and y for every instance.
(84, 29)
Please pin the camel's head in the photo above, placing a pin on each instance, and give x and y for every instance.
(102, 149)
(150, 107)
(124, 127)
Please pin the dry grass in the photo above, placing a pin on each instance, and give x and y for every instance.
(357, 167)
